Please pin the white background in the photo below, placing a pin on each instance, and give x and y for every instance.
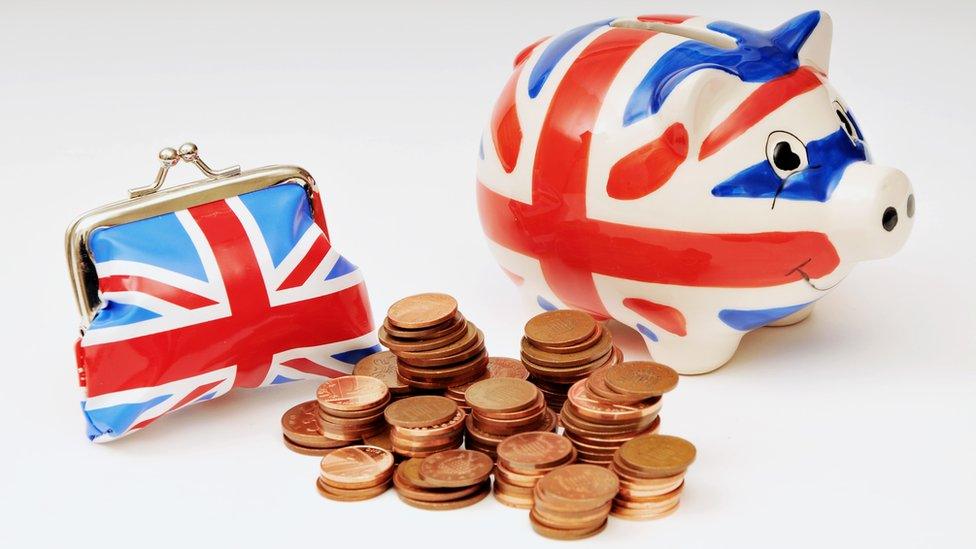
(855, 428)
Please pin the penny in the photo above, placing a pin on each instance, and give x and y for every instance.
(501, 394)
(641, 379)
(351, 393)
(422, 310)
(631, 514)
(300, 426)
(596, 383)
(512, 500)
(356, 465)
(589, 407)
(456, 468)
(440, 330)
(338, 494)
(409, 483)
(403, 345)
(560, 328)
(506, 367)
(420, 411)
(482, 491)
(657, 456)
(307, 450)
(578, 486)
(382, 366)
(473, 338)
(576, 520)
(556, 533)
(603, 345)
(380, 440)
(534, 450)
(477, 361)
(581, 346)
(475, 371)
(569, 374)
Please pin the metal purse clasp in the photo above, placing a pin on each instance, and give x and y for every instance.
(170, 157)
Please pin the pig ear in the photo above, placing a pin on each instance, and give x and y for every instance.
(807, 36)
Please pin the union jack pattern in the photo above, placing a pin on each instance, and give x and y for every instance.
(241, 292)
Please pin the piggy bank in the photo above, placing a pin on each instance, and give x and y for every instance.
(693, 179)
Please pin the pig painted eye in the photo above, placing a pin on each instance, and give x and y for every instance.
(786, 153)
(845, 122)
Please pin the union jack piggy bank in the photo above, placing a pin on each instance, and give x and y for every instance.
(694, 179)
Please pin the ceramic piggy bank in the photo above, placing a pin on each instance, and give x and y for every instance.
(691, 178)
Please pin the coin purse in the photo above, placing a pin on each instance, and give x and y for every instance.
(190, 291)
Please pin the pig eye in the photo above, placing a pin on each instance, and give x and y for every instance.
(786, 153)
(845, 122)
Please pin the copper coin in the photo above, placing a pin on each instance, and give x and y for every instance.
(575, 520)
(501, 394)
(440, 330)
(556, 533)
(356, 465)
(526, 481)
(506, 367)
(300, 425)
(567, 374)
(560, 328)
(472, 338)
(422, 310)
(382, 366)
(473, 372)
(308, 450)
(380, 440)
(409, 483)
(351, 393)
(596, 383)
(514, 417)
(534, 450)
(578, 486)
(646, 379)
(581, 346)
(410, 371)
(338, 494)
(420, 411)
(456, 468)
(482, 490)
(512, 500)
(413, 346)
(588, 406)
(656, 456)
(447, 428)
(631, 514)
(555, 360)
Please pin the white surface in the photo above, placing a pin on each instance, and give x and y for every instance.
(855, 428)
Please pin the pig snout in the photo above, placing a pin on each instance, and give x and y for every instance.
(876, 208)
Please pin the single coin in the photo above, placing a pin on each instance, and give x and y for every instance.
(656, 456)
(534, 450)
(349, 393)
(338, 494)
(578, 486)
(422, 310)
(501, 394)
(456, 468)
(300, 425)
(382, 366)
(646, 379)
(356, 465)
(506, 367)
(596, 383)
(308, 450)
(560, 328)
(581, 346)
(421, 411)
(483, 490)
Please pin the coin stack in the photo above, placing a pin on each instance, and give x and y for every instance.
(424, 425)
(300, 427)
(446, 480)
(562, 347)
(383, 366)
(351, 407)
(501, 407)
(497, 367)
(355, 473)
(573, 501)
(525, 458)
(652, 474)
(613, 405)
(436, 347)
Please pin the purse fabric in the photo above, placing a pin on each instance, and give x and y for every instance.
(241, 292)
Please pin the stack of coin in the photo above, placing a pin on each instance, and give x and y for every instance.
(652, 476)
(355, 473)
(351, 407)
(497, 367)
(436, 347)
(383, 366)
(300, 426)
(446, 480)
(424, 425)
(614, 405)
(525, 458)
(562, 347)
(501, 407)
(573, 501)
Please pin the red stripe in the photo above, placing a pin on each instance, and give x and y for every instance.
(527, 51)
(172, 294)
(505, 128)
(644, 171)
(310, 367)
(664, 18)
(307, 265)
(760, 103)
(666, 317)
(193, 395)
(518, 280)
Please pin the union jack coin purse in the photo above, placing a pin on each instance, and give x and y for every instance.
(190, 291)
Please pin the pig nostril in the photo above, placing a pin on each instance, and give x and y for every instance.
(889, 219)
(911, 205)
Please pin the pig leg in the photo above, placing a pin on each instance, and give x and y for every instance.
(692, 355)
(794, 318)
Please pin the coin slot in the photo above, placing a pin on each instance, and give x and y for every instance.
(711, 38)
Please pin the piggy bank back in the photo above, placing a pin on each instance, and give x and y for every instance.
(693, 179)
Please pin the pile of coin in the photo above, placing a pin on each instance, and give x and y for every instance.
(497, 367)
(652, 475)
(573, 501)
(300, 427)
(563, 347)
(424, 425)
(383, 366)
(501, 407)
(446, 480)
(614, 405)
(351, 407)
(525, 458)
(355, 473)
(436, 347)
